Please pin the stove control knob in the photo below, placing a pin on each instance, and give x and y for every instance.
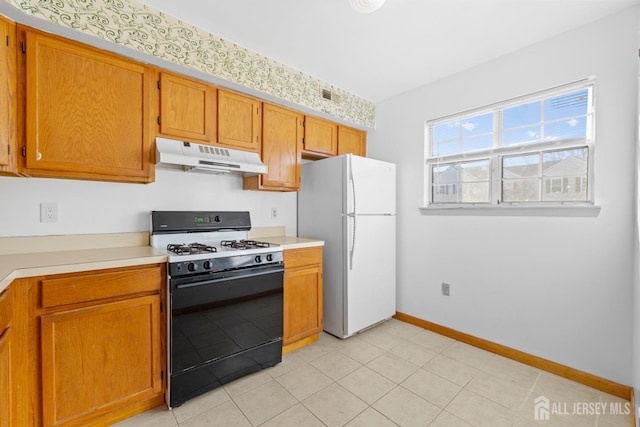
(258, 259)
(269, 257)
(207, 265)
(192, 266)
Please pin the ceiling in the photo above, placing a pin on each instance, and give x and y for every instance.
(403, 45)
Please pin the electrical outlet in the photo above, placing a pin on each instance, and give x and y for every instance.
(445, 289)
(48, 212)
(274, 213)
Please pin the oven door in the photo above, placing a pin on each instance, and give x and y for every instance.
(223, 326)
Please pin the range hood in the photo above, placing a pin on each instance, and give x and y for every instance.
(207, 158)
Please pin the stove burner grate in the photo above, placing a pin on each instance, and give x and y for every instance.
(244, 244)
(189, 249)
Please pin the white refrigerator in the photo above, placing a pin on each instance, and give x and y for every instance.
(350, 202)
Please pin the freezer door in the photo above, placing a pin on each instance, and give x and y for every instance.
(371, 186)
(370, 291)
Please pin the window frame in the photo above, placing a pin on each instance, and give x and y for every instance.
(497, 152)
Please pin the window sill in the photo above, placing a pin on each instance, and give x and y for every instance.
(506, 210)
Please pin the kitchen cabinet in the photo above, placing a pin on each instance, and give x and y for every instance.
(239, 121)
(187, 108)
(92, 346)
(320, 137)
(87, 111)
(6, 395)
(352, 141)
(8, 100)
(302, 296)
(282, 132)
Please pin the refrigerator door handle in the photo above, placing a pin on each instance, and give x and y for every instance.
(353, 186)
(353, 213)
(353, 241)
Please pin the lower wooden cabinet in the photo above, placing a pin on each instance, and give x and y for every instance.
(98, 358)
(6, 396)
(302, 294)
(91, 346)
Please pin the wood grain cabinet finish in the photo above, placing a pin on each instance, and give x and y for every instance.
(282, 133)
(239, 121)
(6, 395)
(87, 111)
(8, 100)
(320, 137)
(90, 348)
(187, 108)
(302, 294)
(352, 141)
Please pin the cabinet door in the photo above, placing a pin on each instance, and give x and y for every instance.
(239, 121)
(351, 141)
(187, 108)
(302, 303)
(281, 150)
(6, 396)
(87, 112)
(8, 106)
(99, 357)
(320, 136)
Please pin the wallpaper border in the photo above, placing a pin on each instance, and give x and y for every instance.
(137, 26)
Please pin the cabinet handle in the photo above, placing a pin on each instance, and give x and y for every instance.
(38, 156)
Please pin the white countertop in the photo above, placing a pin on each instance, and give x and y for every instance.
(288, 242)
(40, 263)
(93, 252)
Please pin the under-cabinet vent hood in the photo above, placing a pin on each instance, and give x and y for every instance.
(207, 158)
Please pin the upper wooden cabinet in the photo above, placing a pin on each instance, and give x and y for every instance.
(320, 137)
(87, 112)
(282, 132)
(8, 101)
(187, 108)
(239, 121)
(352, 141)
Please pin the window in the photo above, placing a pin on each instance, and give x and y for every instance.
(534, 150)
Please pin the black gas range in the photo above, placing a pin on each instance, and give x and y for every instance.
(225, 299)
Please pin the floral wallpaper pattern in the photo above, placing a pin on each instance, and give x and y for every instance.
(137, 26)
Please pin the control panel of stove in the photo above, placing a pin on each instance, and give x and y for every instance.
(224, 263)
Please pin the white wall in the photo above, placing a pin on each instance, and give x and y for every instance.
(556, 287)
(87, 207)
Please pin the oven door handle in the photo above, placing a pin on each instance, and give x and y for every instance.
(223, 277)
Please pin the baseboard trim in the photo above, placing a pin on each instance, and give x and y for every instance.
(599, 383)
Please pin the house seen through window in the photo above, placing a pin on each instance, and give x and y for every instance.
(533, 150)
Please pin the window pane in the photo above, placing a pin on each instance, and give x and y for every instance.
(446, 132)
(477, 143)
(521, 166)
(443, 149)
(566, 129)
(521, 135)
(477, 125)
(474, 171)
(474, 192)
(521, 190)
(565, 163)
(522, 115)
(567, 105)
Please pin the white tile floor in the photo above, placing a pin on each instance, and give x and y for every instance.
(395, 374)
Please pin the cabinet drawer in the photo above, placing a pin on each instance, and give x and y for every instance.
(306, 256)
(103, 284)
(5, 309)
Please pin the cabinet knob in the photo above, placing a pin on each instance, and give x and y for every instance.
(38, 156)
